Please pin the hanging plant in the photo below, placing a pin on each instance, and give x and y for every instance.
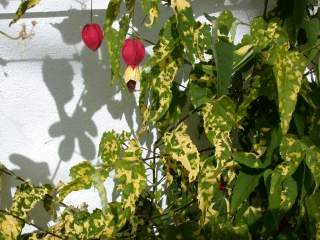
(133, 53)
(92, 34)
(254, 173)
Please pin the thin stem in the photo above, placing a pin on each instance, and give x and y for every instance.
(140, 36)
(31, 224)
(8, 36)
(91, 11)
(265, 9)
(154, 173)
(176, 210)
(310, 48)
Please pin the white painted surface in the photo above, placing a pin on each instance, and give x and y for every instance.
(55, 95)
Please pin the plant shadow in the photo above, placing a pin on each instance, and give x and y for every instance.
(25, 168)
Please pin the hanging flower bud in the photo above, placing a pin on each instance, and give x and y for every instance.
(92, 36)
(131, 77)
(133, 52)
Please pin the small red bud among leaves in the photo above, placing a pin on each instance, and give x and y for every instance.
(222, 185)
(133, 52)
(92, 36)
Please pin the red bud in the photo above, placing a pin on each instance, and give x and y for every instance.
(133, 52)
(92, 36)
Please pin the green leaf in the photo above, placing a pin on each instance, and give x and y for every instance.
(313, 210)
(179, 146)
(252, 95)
(151, 8)
(244, 186)
(282, 193)
(23, 7)
(225, 22)
(250, 160)
(199, 95)
(223, 54)
(312, 27)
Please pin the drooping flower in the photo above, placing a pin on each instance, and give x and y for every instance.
(92, 36)
(133, 53)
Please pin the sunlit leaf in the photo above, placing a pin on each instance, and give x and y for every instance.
(130, 177)
(23, 7)
(151, 8)
(179, 146)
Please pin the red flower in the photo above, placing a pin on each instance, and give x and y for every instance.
(92, 36)
(133, 52)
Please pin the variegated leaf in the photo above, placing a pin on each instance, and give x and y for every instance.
(208, 185)
(167, 41)
(162, 86)
(313, 163)
(115, 38)
(110, 147)
(151, 7)
(288, 68)
(130, 177)
(79, 224)
(85, 176)
(179, 146)
(219, 118)
(266, 35)
(24, 6)
(186, 24)
(25, 198)
(10, 227)
(202, 41)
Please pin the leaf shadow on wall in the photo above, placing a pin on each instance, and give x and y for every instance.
(4, 3)
(25, 168)
(98, 92)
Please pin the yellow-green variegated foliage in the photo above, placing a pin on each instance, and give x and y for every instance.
(25, 198)
(130, 177)
(180, 148)
(228, 143)
(219, 119)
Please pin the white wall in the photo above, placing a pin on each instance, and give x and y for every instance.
(56, 99)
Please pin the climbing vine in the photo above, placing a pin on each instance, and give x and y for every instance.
(238, 148)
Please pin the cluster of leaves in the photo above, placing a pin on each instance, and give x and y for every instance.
(251, 168)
